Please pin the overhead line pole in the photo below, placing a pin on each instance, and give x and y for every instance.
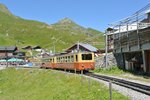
(78, 46)
(106, 50)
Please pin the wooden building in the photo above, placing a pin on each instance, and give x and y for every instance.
(7, 52)
(130, 41)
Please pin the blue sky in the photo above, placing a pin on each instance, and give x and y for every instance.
(96, 14)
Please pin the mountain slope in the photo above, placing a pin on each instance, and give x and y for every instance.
(4, 9)
(93, 37)
(21, 32)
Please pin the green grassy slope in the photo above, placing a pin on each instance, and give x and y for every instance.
(17, 31)
(35, 84)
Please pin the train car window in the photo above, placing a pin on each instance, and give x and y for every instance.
(76, 57)
(86, 56)
(53, 59)
(66, 59)
(71, 58)
(61, 59)
(58, 59)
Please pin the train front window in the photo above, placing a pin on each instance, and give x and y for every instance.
(76, 58)
(86, 56)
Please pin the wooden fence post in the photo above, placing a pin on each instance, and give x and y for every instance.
(110, 90)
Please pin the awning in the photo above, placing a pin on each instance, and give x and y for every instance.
(2, 60)
(15, 60)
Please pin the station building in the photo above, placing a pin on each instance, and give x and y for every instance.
(130, 41)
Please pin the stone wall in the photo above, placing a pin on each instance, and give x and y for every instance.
(120, 60)
(100, 61)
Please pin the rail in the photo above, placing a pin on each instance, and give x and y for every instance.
(122, 82)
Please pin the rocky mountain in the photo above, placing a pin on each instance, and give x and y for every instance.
(21, 32)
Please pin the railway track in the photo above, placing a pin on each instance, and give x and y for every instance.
(145, 89)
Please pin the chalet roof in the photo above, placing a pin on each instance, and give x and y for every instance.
(36, 47)
(27, 47)
(89, 47)
(30, 47)
(86, 46)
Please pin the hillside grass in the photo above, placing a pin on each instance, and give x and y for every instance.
(111, 71)
(35, 84)
(17, 31)
(116, 71)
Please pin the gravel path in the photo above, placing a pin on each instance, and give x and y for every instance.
(133, 95)
(2, 67)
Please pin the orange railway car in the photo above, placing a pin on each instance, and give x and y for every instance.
(72, 61)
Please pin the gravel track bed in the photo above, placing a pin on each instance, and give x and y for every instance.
(133, 95)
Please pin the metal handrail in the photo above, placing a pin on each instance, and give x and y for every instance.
(134, 18)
